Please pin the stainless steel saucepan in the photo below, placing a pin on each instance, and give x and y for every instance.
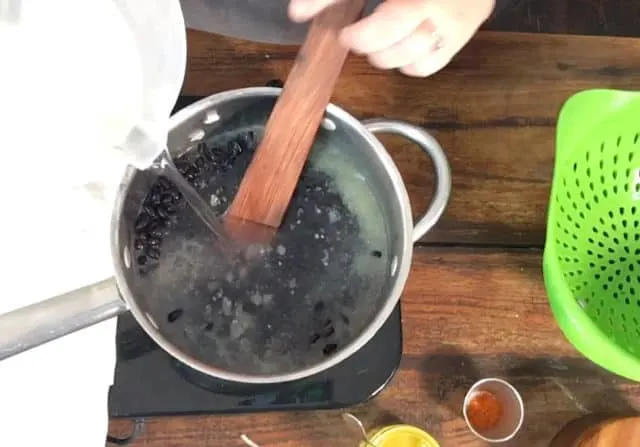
(254, 336)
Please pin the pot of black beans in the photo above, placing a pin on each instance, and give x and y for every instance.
(289, 309)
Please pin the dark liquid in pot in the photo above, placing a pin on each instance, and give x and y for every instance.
(277, 308)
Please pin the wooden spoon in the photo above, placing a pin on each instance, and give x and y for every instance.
(267, 187)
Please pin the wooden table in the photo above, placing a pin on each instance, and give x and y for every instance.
(475, 305)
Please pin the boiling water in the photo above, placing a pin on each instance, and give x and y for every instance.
(275, 308)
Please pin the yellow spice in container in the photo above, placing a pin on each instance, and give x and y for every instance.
(400, 436)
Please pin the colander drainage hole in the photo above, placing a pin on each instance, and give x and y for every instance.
(174, 315)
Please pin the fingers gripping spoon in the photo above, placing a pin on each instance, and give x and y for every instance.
(268, 185)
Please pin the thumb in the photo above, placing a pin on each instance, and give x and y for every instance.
(303, 10)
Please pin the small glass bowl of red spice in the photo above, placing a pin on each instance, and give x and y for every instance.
(493, 410)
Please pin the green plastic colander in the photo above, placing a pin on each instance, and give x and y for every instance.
(592, 250)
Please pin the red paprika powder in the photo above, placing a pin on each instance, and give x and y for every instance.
(484, 411)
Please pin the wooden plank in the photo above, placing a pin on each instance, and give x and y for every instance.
(493, 110)
(467, 314)
(595, 17)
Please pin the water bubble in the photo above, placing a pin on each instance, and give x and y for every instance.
(256, 298)
(227, 306)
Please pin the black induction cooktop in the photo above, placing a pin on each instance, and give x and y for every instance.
(149, 382)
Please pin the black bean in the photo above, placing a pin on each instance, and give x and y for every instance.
(145, 269)
(153, 253)
(142, 221)
(319, 306)
(202, 150)
(376, 253)
(154, 242)
(234, 148)
(212, 153)
(208, 327)
(156, 198)
(171, 222)
(247, 141)
(166, 199)
(154, 225)
(209, 156)
(163, 184)
(162, 212)
(160, 232)
(330, 349)
(314, 338)
(150, 211)
(157, 187)
(174, 315)
(327, 331)
(250, 308)
(157, 229)
(138, 244)
(142, 260)
(275, 83)
(176, 196)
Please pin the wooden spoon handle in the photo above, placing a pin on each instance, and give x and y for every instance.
(267, 187)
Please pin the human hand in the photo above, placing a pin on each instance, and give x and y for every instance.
(418, 37)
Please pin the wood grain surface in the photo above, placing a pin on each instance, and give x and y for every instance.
(598, 431)
(493, 110)
(468, 313)
(475, 304)
(591, 17)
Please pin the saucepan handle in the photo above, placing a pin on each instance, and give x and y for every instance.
(430, 146)
(39, 323)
